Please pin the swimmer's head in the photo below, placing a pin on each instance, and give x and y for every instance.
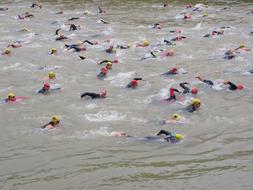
(179, 136)
(11, 97)
(53, 51)
(176, 117)
(55, 119)
(104, 70)
(194, 90)
(242, 45)
(240, 86)
(196, 102)
(174, 70)
(146, 43)
(61, 35)
(7, 51)
(108, 65)
(103, 93)
(206, 14)
(134, 83)
(78, 43)
(46, 86)
(51, 75)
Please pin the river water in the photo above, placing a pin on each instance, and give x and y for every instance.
(217, 152)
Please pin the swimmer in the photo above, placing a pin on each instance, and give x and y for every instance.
(170, 137)
(104, 21)
(73, 27)
(24, 30)
(61, 37)
(242, 47)
(251, 71)
(175, 31)
(108, 65)
(133, 83)
(12, 98)
(167, 137)
(103, 73)
(209, 82)
(89, 42)
(55, 121)
(26, 15)
(229, 54)
(172, 71)
(144, 44)
(123, 46)
(221, 32)
(82, 57)
(107, 61)
(39, 6)
(57, 31)
(110, 49)
(194, 106)
(178, 38)
(73, 18)
(59, 12)
(3, 9)
(100, 10)
(16, 44)
(187, 90)
(172, 94)
(76, 47)
(157, 26)
(169, 43)
(187, 16)
(232, 86)
(166, 53)
(7, 51)
(174, 119)
(102, 94)
(53, 51)
(46, 89)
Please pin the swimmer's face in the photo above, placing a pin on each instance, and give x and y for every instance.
(11, 98)
(197, 105)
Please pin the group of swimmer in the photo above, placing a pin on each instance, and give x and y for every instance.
(174, 93)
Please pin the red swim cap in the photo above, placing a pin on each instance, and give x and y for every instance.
(134, 83)
(240, 86)
(46, 85)
(104, 70)
(174, 69)
(194, 90)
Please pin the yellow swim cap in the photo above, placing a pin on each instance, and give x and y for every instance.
(242, 45)
(51, 75)
(78, 43)
(179, 136)
(55, 118)
(53, 49)
(146, 43)
(11, 95)
(205, 14)
(196, 101)
(176, 117)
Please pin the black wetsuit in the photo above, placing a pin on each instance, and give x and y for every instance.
(170, 137)
(72, 27)
(61, 38)
(104, 61)
(209, 82)
(50, 123)
(75, 47)
(4, 9)
(170, 72)
(57, 31)
(43, 91)
(101, 76)
(73, 18)
(92, 95)
(251, 71)
(232, 86)
(88, 42)
(186, 89)
(168, 42)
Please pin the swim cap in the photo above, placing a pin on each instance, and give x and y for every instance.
(174, 69)
(53, 49)
(51, 75)
(179, 136)
(46, 85)
(55, 118)
(11, 95)
(240, 86)
(146, 43)
(7, 51)
(205, 15)
(78, 43)
(194, 90)
(103, 93)
(108, 65)
(176, 117)
(242, 45)
(134, 83)
(104, 70)
(196, 101)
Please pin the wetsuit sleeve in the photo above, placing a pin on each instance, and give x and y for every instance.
(41, 91)
(104, 61)
(44, 126)
(87, 41)
(232, 86)
(137, 78)
(92, 95)
(209, 82)
(186, 89)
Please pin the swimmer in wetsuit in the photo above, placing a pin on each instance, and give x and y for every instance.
(89, 42)
(61, 38)
(194, 106)
(187, 90)
(178, 38)
(172, 71)
(3, 9)
(11, 98)
(73, 27)
(55, 121)
(172, 94)
(134, 83)
(170, 137)
(232, 86)
(209, 82)
(95, 95)
(45, 89)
